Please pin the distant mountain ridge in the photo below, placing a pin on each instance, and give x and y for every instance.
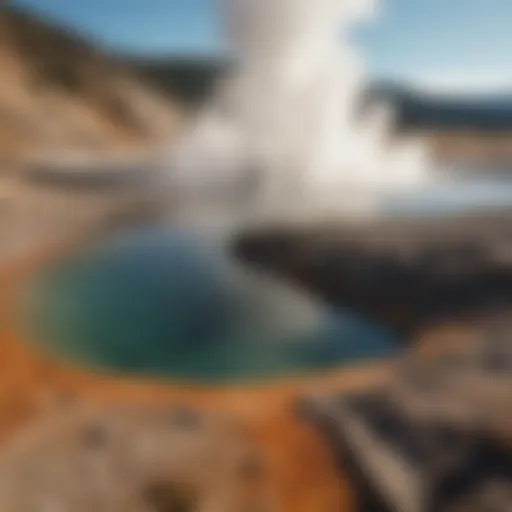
(419, 110)
(191, 79)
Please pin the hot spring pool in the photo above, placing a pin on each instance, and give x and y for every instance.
(159, 302)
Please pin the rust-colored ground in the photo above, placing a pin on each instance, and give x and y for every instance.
(300, 468)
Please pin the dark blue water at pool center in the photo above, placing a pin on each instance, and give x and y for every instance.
(158, 301)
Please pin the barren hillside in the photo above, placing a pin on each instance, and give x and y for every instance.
(59, 91)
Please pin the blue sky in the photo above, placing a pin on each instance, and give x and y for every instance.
(447, 45)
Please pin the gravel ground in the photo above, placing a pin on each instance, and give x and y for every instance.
(32, 214)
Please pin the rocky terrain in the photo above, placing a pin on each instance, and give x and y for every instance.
(437, 435)
(33, 215)
(60, 92)
(404, 273)
(133, 458)
(437, 432)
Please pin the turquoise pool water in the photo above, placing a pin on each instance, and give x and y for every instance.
(161, 302)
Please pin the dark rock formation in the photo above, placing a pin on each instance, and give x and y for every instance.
(404, 274)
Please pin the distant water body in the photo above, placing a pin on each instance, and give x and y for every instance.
(459, 195)
(157, 302)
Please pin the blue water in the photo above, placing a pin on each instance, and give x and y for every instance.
(455, 196)
(158, 302)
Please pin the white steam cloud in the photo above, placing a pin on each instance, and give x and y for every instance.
(281, 137)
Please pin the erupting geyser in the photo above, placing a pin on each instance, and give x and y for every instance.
(282, 136)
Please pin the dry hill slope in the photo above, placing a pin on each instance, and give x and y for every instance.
(59, 91)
